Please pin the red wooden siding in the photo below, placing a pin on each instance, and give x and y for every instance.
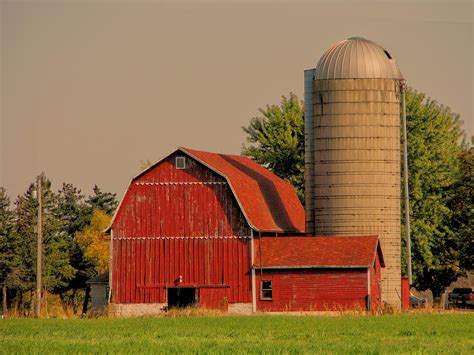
(144, 268)
(314, 290)
(180, 222)
(213, 298)
(169, 202)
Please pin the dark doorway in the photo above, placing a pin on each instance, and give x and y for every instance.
(179, 297)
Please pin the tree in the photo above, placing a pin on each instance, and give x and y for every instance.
(463, 204)
(24, 243)
(277, 140)
(74, 215)
(435, 151)
(93, 242)
(57, 269)
(8, 261)
(441, 180)
(72, 209)
(104, 201)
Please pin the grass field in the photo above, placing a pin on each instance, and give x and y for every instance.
(423, 333)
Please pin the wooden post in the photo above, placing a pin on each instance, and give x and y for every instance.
(4, 300)
(252, 266)
(39, 259)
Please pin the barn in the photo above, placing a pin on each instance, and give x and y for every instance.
(220, 231)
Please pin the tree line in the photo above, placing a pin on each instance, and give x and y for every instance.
(74, 247)
(441, 180)
(441, 189)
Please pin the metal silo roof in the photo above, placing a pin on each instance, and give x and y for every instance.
(357, 58)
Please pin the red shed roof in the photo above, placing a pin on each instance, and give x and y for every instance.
(269, 203)
(317, 252)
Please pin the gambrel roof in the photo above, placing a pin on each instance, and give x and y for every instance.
(269, 203)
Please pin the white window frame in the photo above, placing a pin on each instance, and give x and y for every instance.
(262, 297)
(182, 163)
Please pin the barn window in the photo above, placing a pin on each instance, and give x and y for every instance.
(266, 290)
(180, 163)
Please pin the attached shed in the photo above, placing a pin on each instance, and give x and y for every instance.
(318, 273)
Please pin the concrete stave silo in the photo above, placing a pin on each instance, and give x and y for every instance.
(353, 149)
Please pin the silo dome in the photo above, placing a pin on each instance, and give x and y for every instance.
(357, 58)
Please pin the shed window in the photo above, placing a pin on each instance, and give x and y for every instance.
(180, 163)
(266, 290)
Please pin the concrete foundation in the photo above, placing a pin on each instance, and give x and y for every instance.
(240, 308)
(135, 309)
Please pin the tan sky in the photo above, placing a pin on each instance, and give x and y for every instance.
(90, 88)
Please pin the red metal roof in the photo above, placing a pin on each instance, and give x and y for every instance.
(269, 203)
(324, 251)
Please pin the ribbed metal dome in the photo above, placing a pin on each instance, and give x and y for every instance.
(357, 58)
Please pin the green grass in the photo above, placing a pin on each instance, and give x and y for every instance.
(423, 333)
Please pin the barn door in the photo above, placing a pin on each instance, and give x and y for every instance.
(180, 297)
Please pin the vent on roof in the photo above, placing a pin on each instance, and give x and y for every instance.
(387, 54)
(180, 163)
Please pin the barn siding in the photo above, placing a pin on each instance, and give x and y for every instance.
(213, 298)
(314, 290)
(190, 202)
(200, 262)
(179, 222)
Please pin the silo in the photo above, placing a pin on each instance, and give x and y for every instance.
(355, 127)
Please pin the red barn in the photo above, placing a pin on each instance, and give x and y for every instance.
(223, 232)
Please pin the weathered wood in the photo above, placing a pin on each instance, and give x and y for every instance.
(180, 222)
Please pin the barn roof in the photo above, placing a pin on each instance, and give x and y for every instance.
(317, 252)
(269, 203)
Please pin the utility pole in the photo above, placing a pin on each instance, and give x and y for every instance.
(405, 178)
(39, 259)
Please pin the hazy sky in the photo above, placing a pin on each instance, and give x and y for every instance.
(90, 88)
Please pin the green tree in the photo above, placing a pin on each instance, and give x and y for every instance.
(463, 205)
(24, 243)
(75, 216)
(277, 140)
(105, 201)
(441, 180)
(9, 278)
(57, 269)
(435, 152)
(73, 210)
